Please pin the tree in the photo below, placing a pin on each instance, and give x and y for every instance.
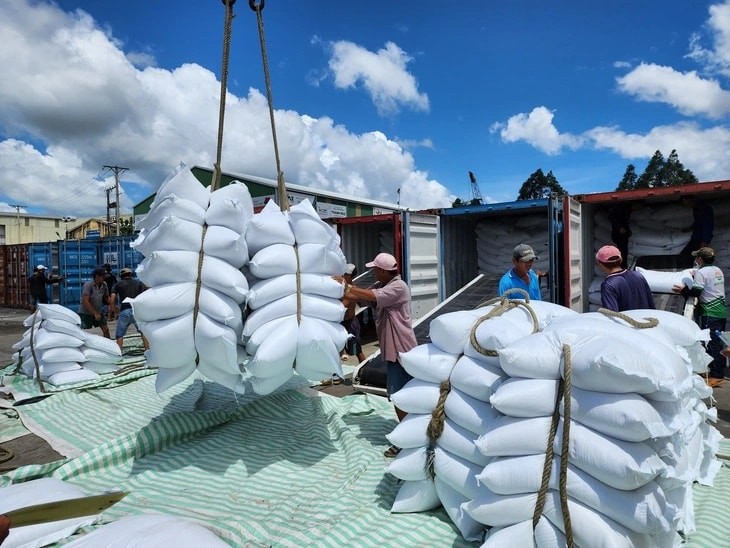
(651, 178)
(628, 181)
(658, 173)
(674, 173)
(126, 227)
(538, 185)
(458, 203)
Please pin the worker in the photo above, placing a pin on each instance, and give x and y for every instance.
(622, 289)
(392, 299)
(94, 295)
(708, 285)
(126, 288)
(37, 283)
(521, 275)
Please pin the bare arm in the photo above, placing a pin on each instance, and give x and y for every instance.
(359, 294)
(87, 305)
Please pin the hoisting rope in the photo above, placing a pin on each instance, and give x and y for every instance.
(281, 188)
(564, 395)
(216, 177)
(281, 185)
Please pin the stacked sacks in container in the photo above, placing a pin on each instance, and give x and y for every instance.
(622, 403)
(55, 348)
(295, 316)
(194, 247)
(448, 406)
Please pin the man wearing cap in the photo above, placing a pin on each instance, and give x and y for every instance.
(622, 289)
(521, 275)
(93, 296)
(392, 322)
(708, 284)
(37, 283)
(125, 288)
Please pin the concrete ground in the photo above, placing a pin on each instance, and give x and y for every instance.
(31, 449)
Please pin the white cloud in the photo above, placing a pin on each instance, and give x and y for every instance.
(687, 92)
(716, 59)
(83, 105)
(537, 129)
(383, 74)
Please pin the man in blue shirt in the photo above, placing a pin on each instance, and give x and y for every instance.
(622, 289)
(521, 275)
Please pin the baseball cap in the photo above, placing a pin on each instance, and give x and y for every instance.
(386, 261)
(608, 254)
(524, 253)
(350, 268)
(125, 270)
(704, 253)
(41, 267)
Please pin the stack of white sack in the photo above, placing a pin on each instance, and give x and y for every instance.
(64, 352)
(296, 312)
(194, 247)
(639, 434)
(462, 408)
(496, 240)
(662, 230)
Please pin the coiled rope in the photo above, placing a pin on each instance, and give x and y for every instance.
(505, 305)
(646, 324)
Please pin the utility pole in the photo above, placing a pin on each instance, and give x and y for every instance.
(117, 170)
(17, 218)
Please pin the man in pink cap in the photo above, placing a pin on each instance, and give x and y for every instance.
(392, 322)
(622, 289)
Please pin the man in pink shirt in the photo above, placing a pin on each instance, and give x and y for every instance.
(392, 322)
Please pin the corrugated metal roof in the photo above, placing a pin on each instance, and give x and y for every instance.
(643, 193)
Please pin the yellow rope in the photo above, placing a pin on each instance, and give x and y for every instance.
(505, 305)
(646, 324)
(436, 425)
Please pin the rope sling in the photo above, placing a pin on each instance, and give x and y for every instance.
(281, 185)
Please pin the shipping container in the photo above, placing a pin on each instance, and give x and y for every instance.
(75, 260)
(16, 269)
(411, 237)
(661, 221)
(480, 239)
(115, 251)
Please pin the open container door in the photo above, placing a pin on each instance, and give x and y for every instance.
(421, 265)
(573, 275)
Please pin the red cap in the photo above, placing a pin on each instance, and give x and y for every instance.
(608, 254)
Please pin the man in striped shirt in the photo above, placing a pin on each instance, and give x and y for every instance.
(709, 286)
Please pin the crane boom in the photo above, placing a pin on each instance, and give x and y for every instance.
(476, 194)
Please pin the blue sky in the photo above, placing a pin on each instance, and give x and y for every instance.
(370, 97)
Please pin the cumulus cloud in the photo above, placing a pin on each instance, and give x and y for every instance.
(717, 58)
(687, 92)
(383, 74)
(537, 129)
(84, 103)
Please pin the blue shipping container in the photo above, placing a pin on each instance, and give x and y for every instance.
(77, 261)
(115, 250)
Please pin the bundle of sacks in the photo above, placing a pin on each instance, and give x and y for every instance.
(194, 247)
(210, 263)
(55, 347)
(294, 323)
(629, 437)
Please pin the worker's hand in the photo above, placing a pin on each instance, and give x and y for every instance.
(97, 317)
(542, 274)
(677, 288)
(725, 351)
(338, 279)
(4, 527)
